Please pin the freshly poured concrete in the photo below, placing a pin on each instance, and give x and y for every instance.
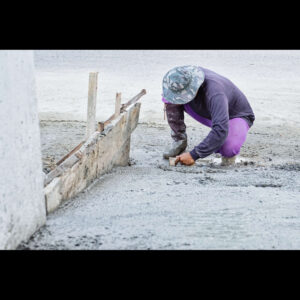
(150, 205)
(22, 204)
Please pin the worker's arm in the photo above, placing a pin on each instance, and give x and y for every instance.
(175, 116)
(218, 107)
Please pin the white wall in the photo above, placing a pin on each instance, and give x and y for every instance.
(22, 204)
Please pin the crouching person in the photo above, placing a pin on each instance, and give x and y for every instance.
(212, 100)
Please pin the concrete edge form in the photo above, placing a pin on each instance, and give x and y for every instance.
(98, 155)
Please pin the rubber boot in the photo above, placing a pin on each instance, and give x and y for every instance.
(175, 149)
(228, 161)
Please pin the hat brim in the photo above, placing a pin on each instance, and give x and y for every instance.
(188, 94)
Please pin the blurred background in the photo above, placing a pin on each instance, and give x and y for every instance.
(269, 78)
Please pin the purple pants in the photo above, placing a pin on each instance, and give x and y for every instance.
(237, 133)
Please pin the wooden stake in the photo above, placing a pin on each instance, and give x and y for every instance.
(118, 105)
(92, 99)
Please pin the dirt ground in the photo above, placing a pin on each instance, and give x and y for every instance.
(150, 205)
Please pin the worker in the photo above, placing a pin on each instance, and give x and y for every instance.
(212, 100)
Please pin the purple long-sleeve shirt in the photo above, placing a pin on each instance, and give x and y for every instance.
(218, 100)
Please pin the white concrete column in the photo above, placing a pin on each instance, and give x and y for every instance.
(22, 203)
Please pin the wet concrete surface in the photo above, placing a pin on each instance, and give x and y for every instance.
(58, 138)
(151, 205)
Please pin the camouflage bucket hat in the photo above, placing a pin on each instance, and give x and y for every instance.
(181, 84)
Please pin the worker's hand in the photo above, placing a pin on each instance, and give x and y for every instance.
(185, 159)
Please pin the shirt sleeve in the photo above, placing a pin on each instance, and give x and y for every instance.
(218, 107)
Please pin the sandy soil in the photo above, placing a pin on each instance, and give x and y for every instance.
(150, 205)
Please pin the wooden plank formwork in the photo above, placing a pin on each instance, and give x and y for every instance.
(96, 156)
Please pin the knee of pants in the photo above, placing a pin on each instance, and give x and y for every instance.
(230, 149)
